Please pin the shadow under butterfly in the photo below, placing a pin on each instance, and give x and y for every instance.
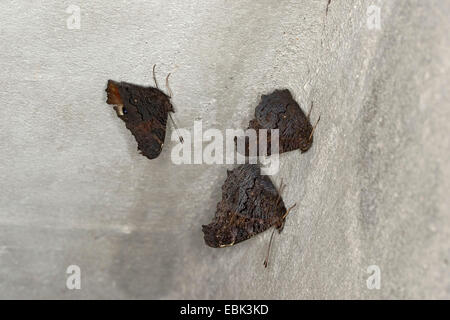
(145, 111)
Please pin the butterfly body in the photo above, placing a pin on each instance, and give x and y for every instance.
(279, 110)
(250, 205)
(145, 111)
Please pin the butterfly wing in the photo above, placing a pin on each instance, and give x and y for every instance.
(250, 205)
(144, 111)
(279, 110)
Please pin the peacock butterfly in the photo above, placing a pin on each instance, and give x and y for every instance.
(279, 110)
(144, 111)
(250, 205)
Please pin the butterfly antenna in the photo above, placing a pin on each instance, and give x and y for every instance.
(287, 212)
(282, 186)
(314, 128)
(154, 76)
(310, 109)
(176, 128)
(328, 4)
(266, 261)
(169, 91)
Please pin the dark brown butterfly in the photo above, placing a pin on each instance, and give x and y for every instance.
(250, 205)
(279, 110)
(144, 111)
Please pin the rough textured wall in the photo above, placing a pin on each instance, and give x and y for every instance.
(373, 189)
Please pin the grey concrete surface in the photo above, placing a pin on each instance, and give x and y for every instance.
(373, 189)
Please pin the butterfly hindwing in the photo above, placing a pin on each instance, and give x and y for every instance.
(250, 205)
(144, 111)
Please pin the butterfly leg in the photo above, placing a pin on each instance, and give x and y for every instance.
(266, 261)
(279, 228)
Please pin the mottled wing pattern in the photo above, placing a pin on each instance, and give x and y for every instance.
(250, 204)
(279, 110)
(144, 111)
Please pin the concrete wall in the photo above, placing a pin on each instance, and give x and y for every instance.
(373, 189)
